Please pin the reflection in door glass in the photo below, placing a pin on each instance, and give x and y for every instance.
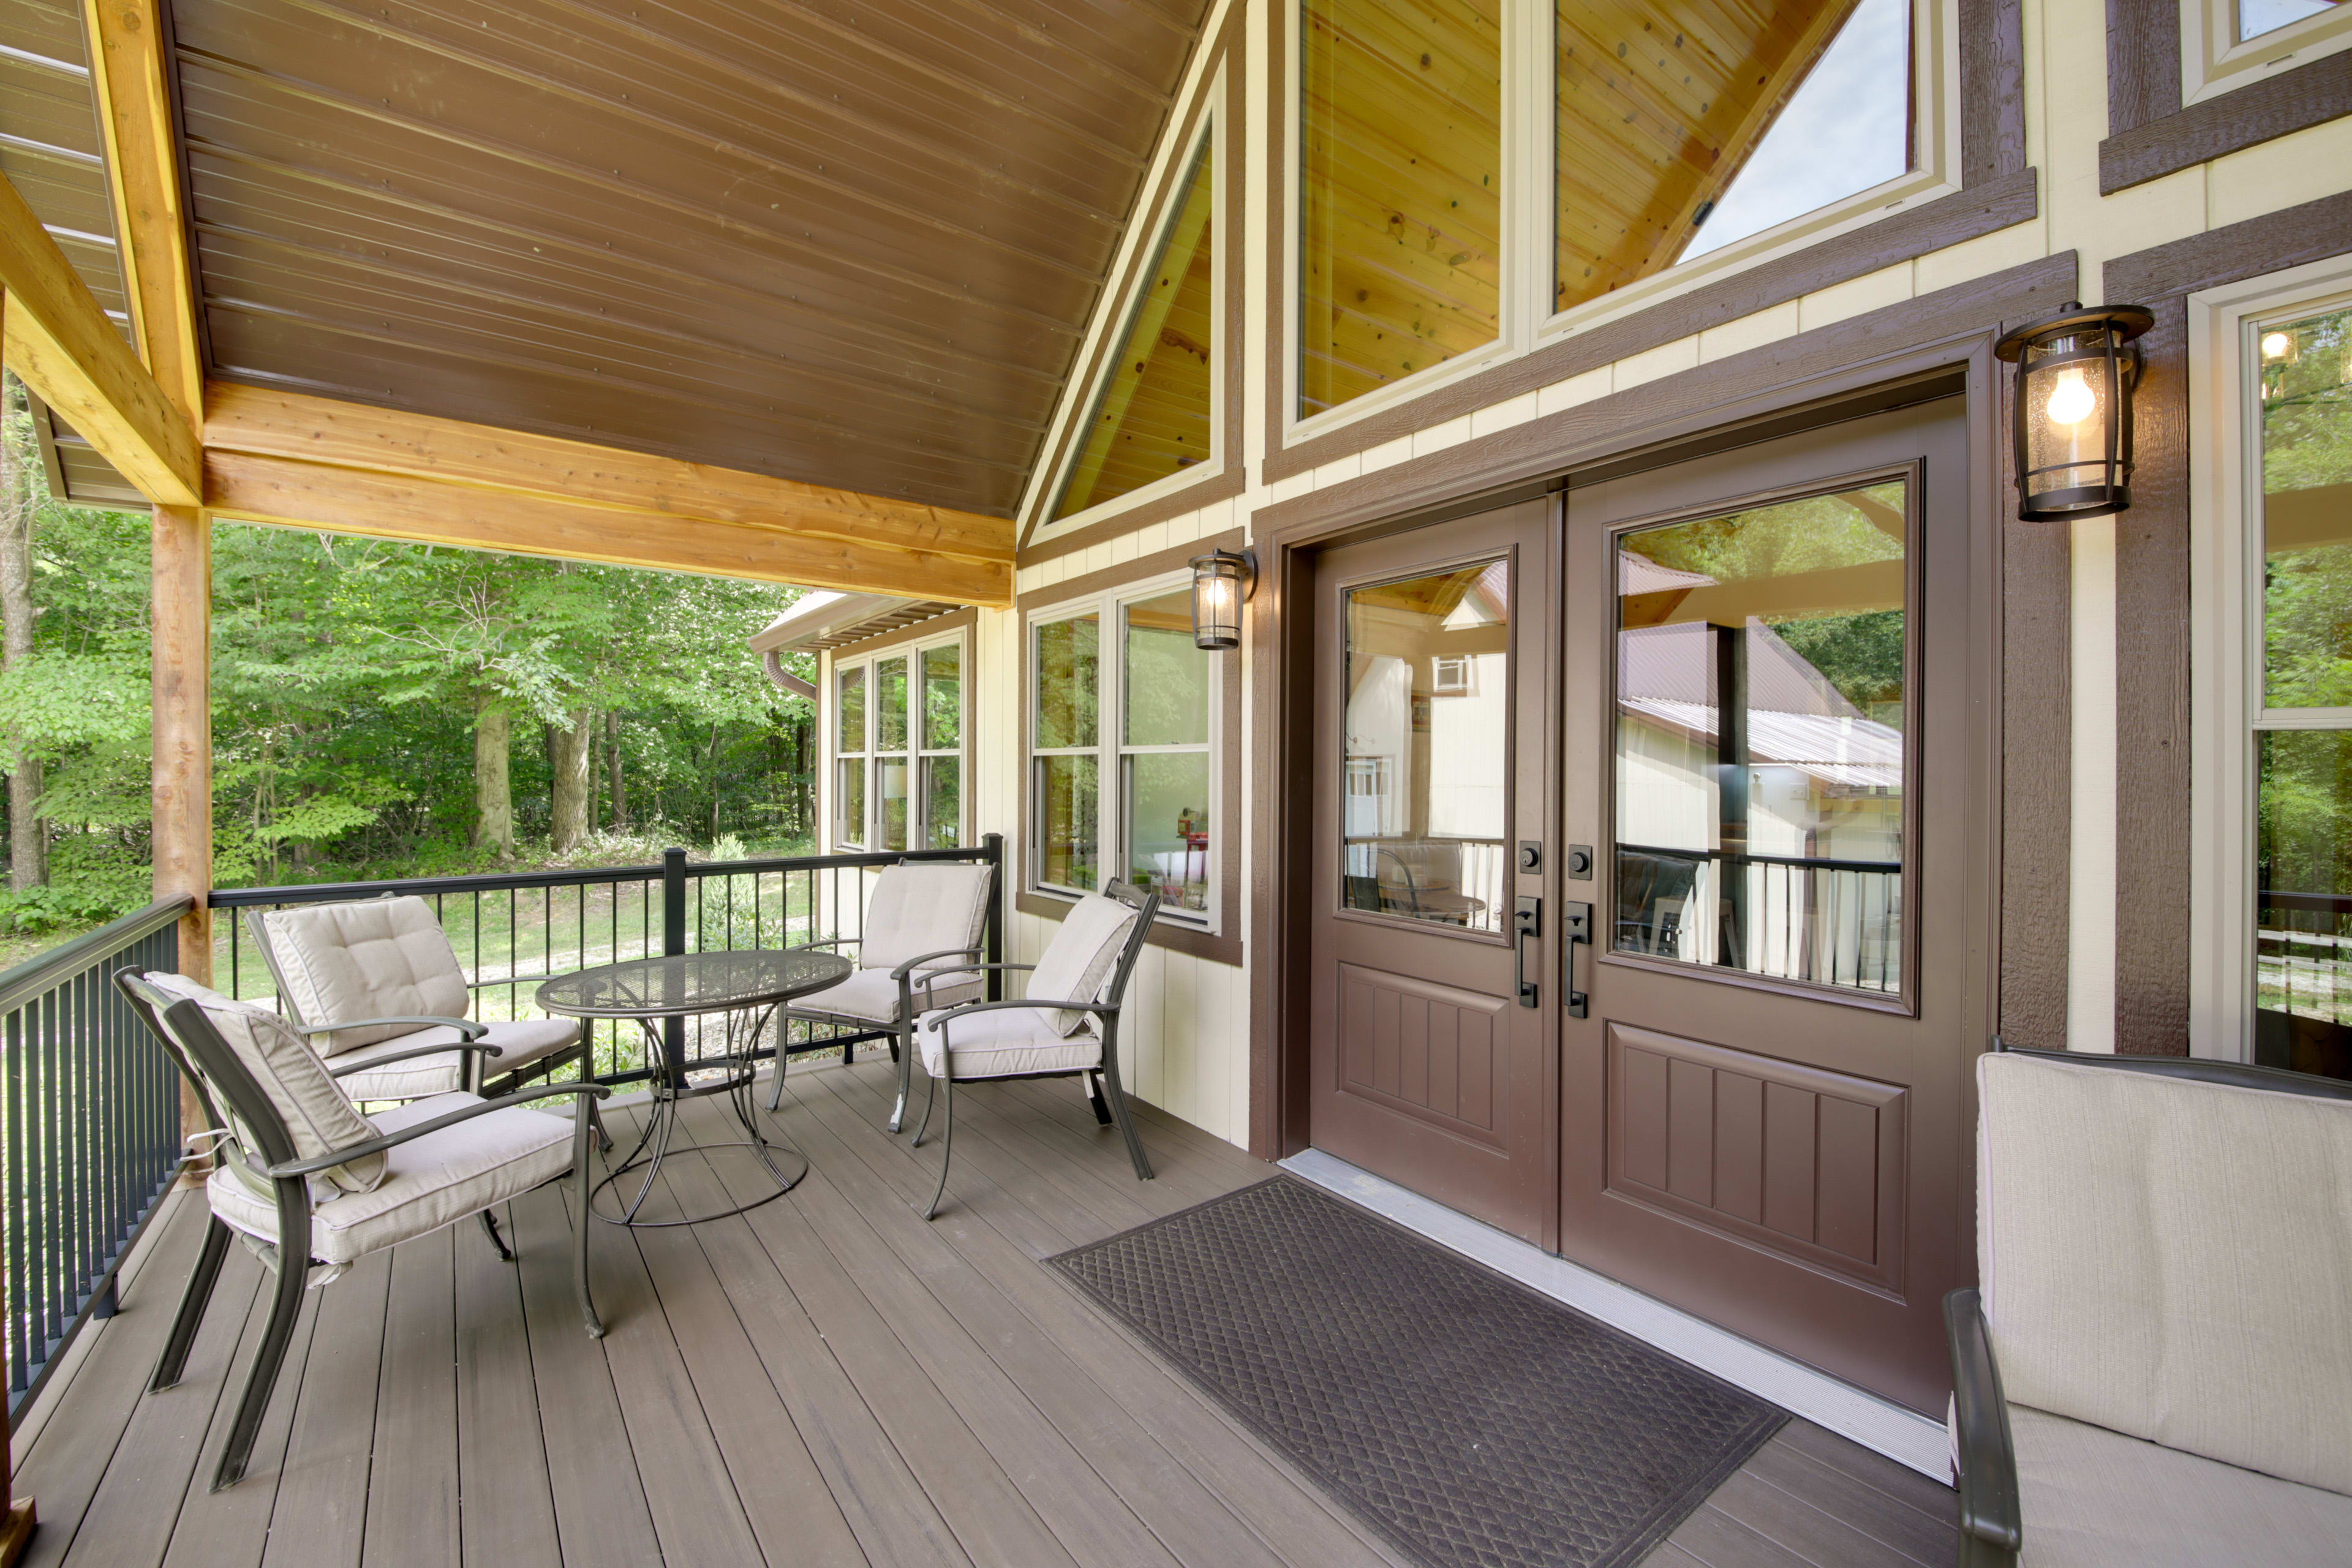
(1427, 759)
(1760, 720)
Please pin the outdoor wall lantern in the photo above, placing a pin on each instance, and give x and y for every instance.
(2073, 411)
(1222, 582)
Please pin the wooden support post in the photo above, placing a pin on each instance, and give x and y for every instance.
(182, 627)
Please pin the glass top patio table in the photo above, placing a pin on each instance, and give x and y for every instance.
(659, 993)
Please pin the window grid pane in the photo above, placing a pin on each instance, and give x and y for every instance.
(1067, 809)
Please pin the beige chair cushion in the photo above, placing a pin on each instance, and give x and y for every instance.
(1079, 959)
(2090, 1498)
(2170, 1261)
(872, 996)
(925, 907)
(439, 1179)
(1003, 1043)
(520, 1042)
(319, 1117)
(378, 958)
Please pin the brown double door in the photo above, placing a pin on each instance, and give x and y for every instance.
(1714, 1044)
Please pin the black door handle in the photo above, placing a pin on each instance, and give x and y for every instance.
(1526, 925)
(1579, 933)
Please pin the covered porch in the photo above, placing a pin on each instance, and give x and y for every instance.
(826, 1380)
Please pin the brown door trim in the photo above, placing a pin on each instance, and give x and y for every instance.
(1419, 492)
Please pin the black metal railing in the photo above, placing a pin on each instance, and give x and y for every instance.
(1831, 922)
(514, 930)
(91, 1127)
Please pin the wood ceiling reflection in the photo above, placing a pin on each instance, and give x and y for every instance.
(847, 243)
(1659, 106)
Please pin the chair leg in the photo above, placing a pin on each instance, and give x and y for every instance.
(930, 1098)
(902, 1051)
(285, 1306)
(1094, 1097)
(190, 1315)
(586, 1223)
(1125, 1118)
(947, 1143)
(490, 1229)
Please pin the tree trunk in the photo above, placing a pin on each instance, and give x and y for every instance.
(29, 835)
(711, 766)
(612, 764)
(573, 790)
(493, 787)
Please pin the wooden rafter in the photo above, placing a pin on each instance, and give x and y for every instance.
(66, 350)
(127, 43)
(256, 487)
(919, 548)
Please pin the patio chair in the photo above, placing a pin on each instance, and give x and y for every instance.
(312, 1186)
(1067, 1027)
(2157, 1368)
(374, 982)
(922, 914)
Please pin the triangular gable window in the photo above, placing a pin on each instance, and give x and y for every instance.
(1154, 414)
(1684, 128)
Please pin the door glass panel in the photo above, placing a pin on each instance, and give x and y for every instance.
(942, 802)
(1425, 792)
(943, 697)
(2303, 841)
(1760, 720)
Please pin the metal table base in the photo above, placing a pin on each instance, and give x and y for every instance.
(671, 1089)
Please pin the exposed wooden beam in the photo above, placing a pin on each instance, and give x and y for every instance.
(64, 347)
(134, 114)
(262, 488)
(258, 422)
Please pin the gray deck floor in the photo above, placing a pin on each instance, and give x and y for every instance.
(826, 1381)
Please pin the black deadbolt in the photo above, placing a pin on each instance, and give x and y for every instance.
(1579, 862)
(1530, 855)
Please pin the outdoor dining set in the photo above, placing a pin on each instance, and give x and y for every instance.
(466, 1114)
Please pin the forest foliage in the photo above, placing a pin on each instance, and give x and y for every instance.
(350, 679)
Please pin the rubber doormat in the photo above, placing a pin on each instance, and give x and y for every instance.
(1467, 1418)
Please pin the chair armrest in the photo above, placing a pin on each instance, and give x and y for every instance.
(829, 941)
(375, 1062)
(318, 1163)
(1991, 1528)
(1103, 1008)
(913, 963)
(511, 980)
(467, 1029)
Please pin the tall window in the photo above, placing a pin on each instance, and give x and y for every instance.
(1400, 190)
(1136, 710)
(2301, 739)
(1680, 132)
(1153, 415)
(898, 745)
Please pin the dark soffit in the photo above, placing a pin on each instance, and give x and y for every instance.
(849, 242)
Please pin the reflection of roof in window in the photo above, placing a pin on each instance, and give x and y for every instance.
(1795, 717)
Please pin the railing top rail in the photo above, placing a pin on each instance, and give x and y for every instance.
(500, 882)
(36, 976)
(1814, 862)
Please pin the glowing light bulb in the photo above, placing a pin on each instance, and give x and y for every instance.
(2072, 400)
(2277, 345)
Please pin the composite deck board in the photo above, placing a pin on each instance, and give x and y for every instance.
(827, 1379)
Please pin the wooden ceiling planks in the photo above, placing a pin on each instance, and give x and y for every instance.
(847, 244)
(1660, 103)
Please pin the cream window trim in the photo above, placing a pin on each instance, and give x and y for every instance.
(1210, 133)
(869, 831)
(2214, 62)
(1110, 750)
(2225, 629)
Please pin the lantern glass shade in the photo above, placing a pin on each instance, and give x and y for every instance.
(2073, 411)
(1222, 581)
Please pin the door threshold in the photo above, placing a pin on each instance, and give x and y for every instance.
(1904, 1435)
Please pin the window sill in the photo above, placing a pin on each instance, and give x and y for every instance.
(1185, 939)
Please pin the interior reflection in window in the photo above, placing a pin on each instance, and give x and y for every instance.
(1425, 783)
(1760, 720)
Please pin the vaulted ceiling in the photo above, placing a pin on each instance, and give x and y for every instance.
(848, 242)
